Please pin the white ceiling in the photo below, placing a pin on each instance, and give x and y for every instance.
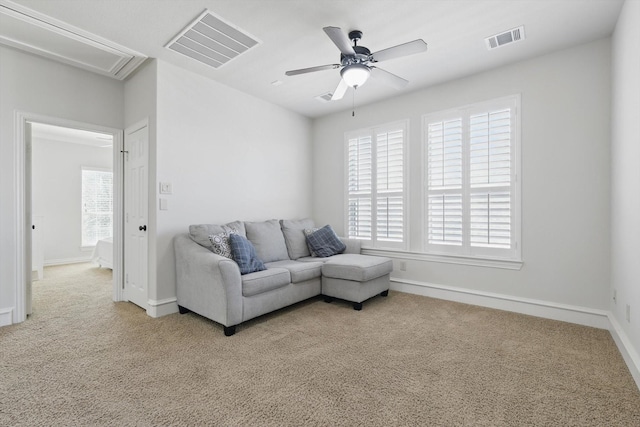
(292, 37)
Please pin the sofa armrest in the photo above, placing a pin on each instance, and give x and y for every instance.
(206, 283)
(353, 245)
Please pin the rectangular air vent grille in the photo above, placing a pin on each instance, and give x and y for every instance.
(325, 97)
(211, 40)
(504, 38)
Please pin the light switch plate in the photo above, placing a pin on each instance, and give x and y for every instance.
(165, 188)
(164, 205)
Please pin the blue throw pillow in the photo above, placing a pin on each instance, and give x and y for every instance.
(324, 242)
(244, 254)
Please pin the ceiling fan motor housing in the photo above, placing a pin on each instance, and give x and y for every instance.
(362, 56)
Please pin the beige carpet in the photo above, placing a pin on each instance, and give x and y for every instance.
(403, 360)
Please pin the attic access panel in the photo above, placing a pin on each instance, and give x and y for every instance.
(212, 41)
(37, 33)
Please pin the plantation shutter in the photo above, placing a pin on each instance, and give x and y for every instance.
(375, 195)
(390, 185)
(470, 180)
(444, 182)
(97, 206)
(490, 179)
(360, 188)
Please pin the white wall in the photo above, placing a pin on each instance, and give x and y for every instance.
(228, 156)
(36, 85)
(625, 174)
(57, 195)
(565, 174)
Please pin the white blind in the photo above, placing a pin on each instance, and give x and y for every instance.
(360, 170)
(97, 205)
(375, 186)
(390, 185)
(490, 179)
(444, 182)
(470, 179)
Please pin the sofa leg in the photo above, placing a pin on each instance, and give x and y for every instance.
(229, 330)
(183, 310)
(357, 306)
(384, 293)
(327, 298)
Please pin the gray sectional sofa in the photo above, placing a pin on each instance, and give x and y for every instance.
(211, 285)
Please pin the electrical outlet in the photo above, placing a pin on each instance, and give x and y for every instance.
(628, 313)
(403, 266)
(615, 296)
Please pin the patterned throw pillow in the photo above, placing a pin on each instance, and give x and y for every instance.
(324, 242)
(220, 242)
(244, 254)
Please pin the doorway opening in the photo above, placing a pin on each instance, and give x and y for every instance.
(71, 199)
(31, 129)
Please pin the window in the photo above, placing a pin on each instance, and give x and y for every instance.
(376, 186)
(471, 188)
(97, 205)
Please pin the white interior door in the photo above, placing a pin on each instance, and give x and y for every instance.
(136, 178)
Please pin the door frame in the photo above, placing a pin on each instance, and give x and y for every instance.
(22, 229)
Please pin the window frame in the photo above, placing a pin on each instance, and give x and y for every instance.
(372, 132)
(466, 251)
(83, 242)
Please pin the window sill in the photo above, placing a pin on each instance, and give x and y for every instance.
(447, 259)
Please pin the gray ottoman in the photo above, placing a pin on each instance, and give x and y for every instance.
(355, 278)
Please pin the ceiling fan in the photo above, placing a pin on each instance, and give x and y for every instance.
(357, 61)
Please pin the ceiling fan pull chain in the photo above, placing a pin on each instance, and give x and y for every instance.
(353, 102)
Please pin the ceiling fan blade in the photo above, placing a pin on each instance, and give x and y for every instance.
(404, 49)
(340, 39)
(312, 69)
(389, 78)
(340, 90)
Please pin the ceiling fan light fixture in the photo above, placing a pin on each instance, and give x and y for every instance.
(355, 75)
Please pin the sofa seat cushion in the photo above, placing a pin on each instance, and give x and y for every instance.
(264, 281)
(359, 268)
(300, 271)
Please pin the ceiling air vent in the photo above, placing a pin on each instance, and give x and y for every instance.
(211, 40)
(504, 38)
(325, 97)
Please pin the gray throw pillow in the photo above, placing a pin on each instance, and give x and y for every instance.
(295, 238)
(268, 240)
(244, 254)
(325, 242)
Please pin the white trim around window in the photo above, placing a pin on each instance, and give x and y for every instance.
(376, 208)
(471, 182)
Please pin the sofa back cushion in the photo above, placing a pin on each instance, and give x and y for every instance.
(200, 233)
(294, 237)
(268, 240)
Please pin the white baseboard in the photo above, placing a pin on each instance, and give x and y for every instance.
(64, 261)
(548, 310)
(162, 307)
(601, 319)
(629, 354)
(6, 316)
